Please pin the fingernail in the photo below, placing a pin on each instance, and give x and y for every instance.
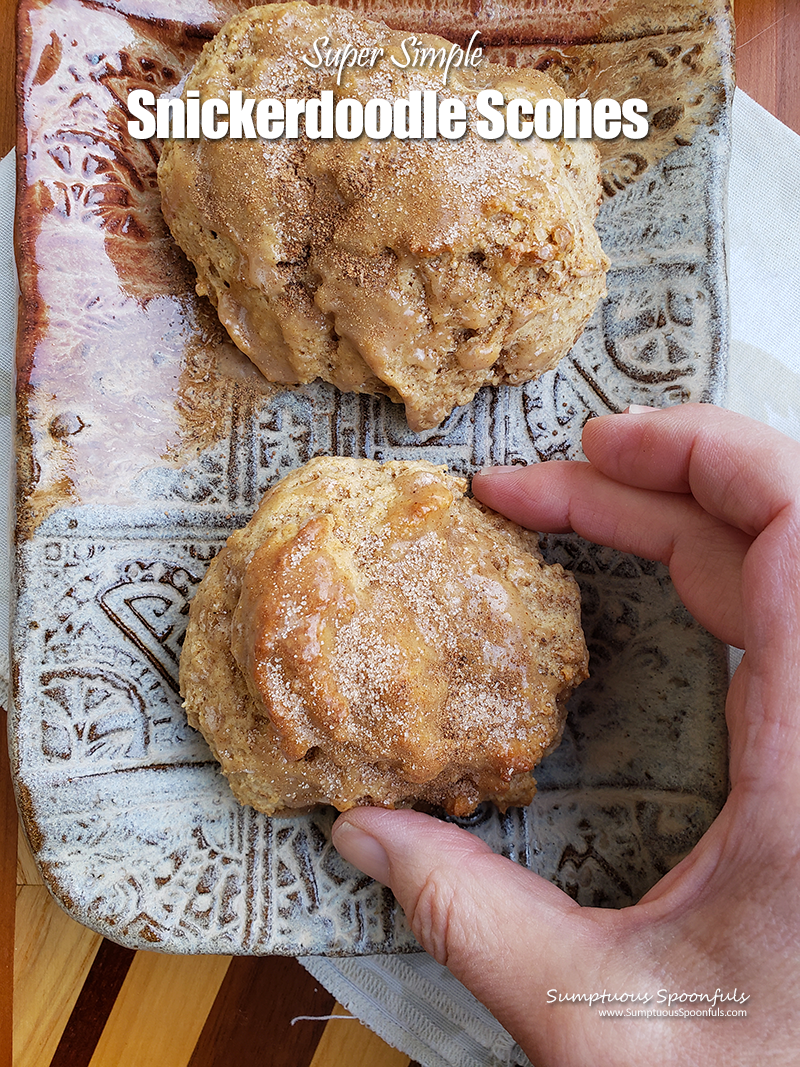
(511, 468)
(362, 850)
(638, 409)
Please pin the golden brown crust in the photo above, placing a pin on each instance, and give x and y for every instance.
(420, 269)
(375, 636)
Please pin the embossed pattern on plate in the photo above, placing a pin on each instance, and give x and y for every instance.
(143, 439)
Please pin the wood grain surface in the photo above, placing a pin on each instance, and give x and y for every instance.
(69, 998)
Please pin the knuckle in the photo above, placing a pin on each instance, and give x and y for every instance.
(431, 917)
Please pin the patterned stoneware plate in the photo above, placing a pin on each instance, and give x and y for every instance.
(144, 438)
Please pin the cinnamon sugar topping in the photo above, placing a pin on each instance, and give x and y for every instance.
(392, 642)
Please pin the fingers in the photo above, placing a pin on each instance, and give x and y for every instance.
(506, 933)
(689, 486)
(763, 710)
(737, 469)
(716, 496)
(704, 554)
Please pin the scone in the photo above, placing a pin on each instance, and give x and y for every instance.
(421, 269)
(375, 636)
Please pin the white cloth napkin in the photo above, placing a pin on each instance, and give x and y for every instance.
(410, 1000)
(764, 268)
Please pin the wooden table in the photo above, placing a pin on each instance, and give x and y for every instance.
(70, 999)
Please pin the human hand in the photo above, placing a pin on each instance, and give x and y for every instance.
(717, 497)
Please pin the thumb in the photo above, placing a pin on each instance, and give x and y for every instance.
(509, 935)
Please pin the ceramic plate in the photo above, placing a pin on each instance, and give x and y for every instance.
(144, 439)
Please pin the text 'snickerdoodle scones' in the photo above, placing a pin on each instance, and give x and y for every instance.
(418, 268)
(375, 636)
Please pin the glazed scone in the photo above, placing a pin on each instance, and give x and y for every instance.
(375, 636)
(418, 269)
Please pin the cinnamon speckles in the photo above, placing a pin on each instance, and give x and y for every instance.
(375, 616)
(421, 269)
